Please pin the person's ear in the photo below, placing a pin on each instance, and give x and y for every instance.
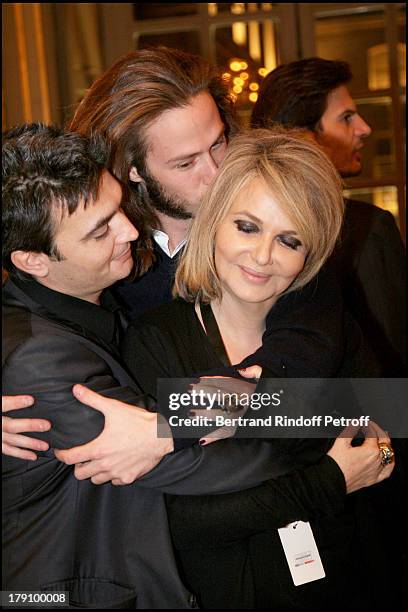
(134, 176)
(35, 264)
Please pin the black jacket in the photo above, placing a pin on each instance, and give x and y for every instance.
(370, 263)
(108, 546)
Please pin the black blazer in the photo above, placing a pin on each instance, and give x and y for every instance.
(108, 546)
(370, 262)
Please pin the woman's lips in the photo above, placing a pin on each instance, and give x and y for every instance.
(254, 276)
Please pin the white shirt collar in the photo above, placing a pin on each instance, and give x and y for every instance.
(162, 239)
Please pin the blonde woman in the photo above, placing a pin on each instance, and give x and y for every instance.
(264, 230)
(267, 225)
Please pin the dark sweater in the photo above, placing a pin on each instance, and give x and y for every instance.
(229, 550)
(152, 289)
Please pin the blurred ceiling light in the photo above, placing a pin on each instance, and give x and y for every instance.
(239, 30)
(237, 89)
(244, 65)
(263, 72)
(238, 8)
(253, 86)
(235, 65)
(253, 96)
(212, 9)
(238, 81)
(269, 47)
(239, 33)
(254, 41)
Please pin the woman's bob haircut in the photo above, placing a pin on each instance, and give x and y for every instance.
(299, 176)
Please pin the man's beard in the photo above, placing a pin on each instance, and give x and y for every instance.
(163, 202)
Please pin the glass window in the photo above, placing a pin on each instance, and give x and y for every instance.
(187, 41)
(404, 130)
(237, 8)
(379, 153)
(360, 40)
(156, 10)
(402, 47)
(247, 53)
(383, 197)
(80, 52)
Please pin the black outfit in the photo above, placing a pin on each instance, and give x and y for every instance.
(108, 546)
(229, 552)
(314, 315)
(370, 263)
(60, 533)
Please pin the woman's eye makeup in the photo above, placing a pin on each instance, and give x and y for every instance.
(249, 227)
(290, 241)
(246, 226)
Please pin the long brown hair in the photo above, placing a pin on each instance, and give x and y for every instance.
(125, 101)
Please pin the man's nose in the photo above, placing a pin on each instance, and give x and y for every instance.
(210, 170)
(127, 231)
(363, 130)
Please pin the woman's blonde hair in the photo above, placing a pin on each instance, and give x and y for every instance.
(302, 180)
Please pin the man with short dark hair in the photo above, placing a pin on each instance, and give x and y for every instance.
(370, 259)
(66, 239)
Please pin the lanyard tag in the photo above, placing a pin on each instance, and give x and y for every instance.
(301, 552)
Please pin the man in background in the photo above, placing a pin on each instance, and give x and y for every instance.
(370, 259)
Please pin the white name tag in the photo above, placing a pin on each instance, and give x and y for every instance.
(301, 552)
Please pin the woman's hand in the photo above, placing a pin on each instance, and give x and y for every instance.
(254, 371)
(361, 465)
(218, 386)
